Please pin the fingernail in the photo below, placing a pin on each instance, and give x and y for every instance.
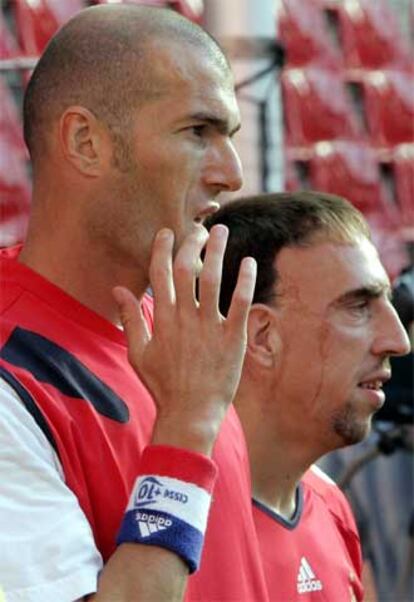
(165, 234)
(251, 264)
(220, 230)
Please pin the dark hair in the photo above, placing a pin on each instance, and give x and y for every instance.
(102, 59)
(260, 226)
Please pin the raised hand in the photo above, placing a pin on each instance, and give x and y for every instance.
(192, 361)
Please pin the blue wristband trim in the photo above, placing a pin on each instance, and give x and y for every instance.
(152, 527)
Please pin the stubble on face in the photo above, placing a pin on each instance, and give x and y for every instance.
(349, 427)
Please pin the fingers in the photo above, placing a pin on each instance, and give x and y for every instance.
(210, 277)
(173, 282)
(185, 269)
(243, 295)
(133, 322)
(161, 276)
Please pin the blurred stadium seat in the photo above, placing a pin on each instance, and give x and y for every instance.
(403, 166)
(389, 241)
(303, 32)
(349, 169)
(14, 196)
(192, 9)
(8, 45)
(388, 97)
(370, 35)
(10, 123)
(316, 106)
(37, 21)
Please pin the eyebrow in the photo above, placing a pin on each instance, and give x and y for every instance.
(373, 291)
(221, 125)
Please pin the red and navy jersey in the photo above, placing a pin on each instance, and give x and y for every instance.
(314, 556)
(70, 368)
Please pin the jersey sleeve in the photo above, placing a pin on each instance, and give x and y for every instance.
(47, 549)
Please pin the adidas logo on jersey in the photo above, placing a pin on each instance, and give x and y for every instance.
(307, 581)
(149, 524)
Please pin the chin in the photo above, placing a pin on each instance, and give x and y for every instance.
(351, 428)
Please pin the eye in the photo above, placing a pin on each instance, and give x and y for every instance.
(198, 130)
(361, 308)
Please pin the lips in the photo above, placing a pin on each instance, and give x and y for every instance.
(372, 386)
(375, 381)
(205, 211)
(375, 385)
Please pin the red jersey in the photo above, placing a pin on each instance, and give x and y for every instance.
(70, 368)
(315, 556)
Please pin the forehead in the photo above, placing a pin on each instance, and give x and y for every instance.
(193, 80)
(322, 273)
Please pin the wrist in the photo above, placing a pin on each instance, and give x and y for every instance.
(186, 432)
(170, 502)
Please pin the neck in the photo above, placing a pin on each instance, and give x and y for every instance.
(277, 460)
(275, 481)
(88, 272)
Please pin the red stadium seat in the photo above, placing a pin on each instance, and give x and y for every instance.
(192, 9)
(291, 179)
(303, 33)
(12, 228)
(10, 124)
(14, 196)
(403, 164)
(388, 98)
(316, 107)
(370, 35)
(390, 243)
(38, 21)
(8, 45)
(350, 169)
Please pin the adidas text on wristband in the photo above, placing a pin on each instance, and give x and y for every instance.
(170, 502)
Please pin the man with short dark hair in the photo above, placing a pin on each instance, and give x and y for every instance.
(129, 118)
(321, 331)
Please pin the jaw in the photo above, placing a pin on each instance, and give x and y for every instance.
(351, 425)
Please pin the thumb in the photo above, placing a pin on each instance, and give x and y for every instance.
(133, 322)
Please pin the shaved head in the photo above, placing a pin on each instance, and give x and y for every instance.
(104, 59)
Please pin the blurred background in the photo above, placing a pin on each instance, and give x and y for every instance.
(326, 92)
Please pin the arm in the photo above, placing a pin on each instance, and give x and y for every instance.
(192, 365)
(37, 507)
(191, 409)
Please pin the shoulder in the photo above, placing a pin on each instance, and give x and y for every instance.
(10, 289)
(319, 480)
(18, 428)
(35, 505)
(336, 503)
(323, 486)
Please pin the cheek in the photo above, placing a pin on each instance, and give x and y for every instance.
(324, 357)
(344, 350)
(301, 366)
(341, 363)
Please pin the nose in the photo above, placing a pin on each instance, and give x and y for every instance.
(392, 339)
(223, 170)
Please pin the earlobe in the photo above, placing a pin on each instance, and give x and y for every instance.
(80, 138)
(263, 341)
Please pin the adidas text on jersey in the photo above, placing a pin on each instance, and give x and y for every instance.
(307, 581)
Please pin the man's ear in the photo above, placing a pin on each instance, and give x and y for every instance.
(83, 140)
(263, 341)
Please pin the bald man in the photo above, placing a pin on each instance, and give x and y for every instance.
(104, 494)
